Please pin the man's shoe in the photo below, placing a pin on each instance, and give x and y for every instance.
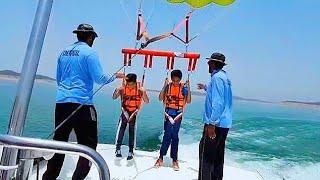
(118, 153)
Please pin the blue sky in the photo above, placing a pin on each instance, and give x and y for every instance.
(272, 47)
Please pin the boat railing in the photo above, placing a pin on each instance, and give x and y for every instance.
(41, 145)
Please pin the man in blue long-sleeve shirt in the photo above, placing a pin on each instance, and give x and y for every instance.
(217, 118)
(77, 70)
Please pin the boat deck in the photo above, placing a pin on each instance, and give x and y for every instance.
(141, 167)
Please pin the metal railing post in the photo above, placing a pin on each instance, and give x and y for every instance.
(26, 81)
(58, 147)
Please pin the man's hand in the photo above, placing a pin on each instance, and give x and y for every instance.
(119, 89)
(201, 86)
(119, 75)
(210, 131)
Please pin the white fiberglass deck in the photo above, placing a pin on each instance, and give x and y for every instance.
(141, 167)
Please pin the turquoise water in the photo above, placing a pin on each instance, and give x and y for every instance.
(278, 141)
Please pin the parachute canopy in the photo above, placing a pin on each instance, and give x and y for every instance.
(202, 3)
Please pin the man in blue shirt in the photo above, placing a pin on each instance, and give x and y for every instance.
(217, 119)
(78, 69)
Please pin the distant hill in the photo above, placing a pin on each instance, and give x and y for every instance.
(12, 74)
(15, 75)
(250, 99)
(198, 93)
(302, 103)
(9, 73)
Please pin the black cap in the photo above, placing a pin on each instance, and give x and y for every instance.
(131, 77)
(85, 28)
(218, 57)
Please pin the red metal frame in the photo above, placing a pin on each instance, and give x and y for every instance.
(149, 54)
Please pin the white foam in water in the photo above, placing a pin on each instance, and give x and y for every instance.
(309, 172)
(275, 169)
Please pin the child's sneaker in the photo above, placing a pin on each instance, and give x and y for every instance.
(158, 163)
(175, 165)
(118, 153)
(130, 156)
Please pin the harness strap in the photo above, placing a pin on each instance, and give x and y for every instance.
(184, 22)
(140, 27)
(170, 63)
(176, 118)
(154, 39)
(187, 28)
(126, 114)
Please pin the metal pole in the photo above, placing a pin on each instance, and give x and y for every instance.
(26, 81)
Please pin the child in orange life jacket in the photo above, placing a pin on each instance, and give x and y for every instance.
(175, 95)
(132, 96)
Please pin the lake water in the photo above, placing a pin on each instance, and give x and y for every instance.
(276, 140)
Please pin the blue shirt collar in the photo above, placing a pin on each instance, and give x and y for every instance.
(215, 71)
(80, 43)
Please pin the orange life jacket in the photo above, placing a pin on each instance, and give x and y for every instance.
(174, 98)
(131, 98)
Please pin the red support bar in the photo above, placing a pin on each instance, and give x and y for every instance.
(190, 64)
(168, 63)
(194, 64)
(161, 53)
(149, 54)
(147, 61)
(172, 63)
(129, 59)
(150, 61)
(146, 57)
(125, 59)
